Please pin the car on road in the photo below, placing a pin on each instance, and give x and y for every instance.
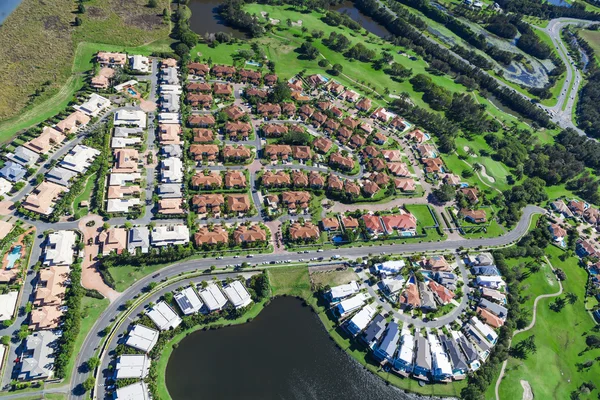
(320, 251)
(236, 256)
(249, 256)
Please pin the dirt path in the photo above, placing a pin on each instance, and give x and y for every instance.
(528, 327)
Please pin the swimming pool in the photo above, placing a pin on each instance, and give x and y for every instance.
(131, 91)
(13, 256)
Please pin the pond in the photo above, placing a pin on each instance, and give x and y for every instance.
(285, 353)
(206, 20)
(7, 7)
(560, 3)
(367, 22)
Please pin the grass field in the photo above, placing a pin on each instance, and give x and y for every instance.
(79, 211)
(560, 339)
(593, 38)
(290, 281)
(333, 278)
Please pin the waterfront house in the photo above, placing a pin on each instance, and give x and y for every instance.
(385, 350)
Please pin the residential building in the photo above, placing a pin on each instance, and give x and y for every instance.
(360, 320)
(442, 294)
(494, 308)
(348, 306)
(207, 236)
(49, 138)
(41, 200)
(120, 206)
(474, 216)
(170, 207)
(73, 122)
(392, 286)
(136, 118)
(79, 158)
(13, 172)
(60, 248)
(389, 267)
(338, 293)
(139, 238)
(459, 364)
(441, 369)
(427, 297)
(171, 170)
(142, 338)
(492, 282)
(188, 301)
(213, 298)
(488, 333)
(170, 235)
(135, 391)
(94, 105)
(113, 239)
(481, 259)
(139, 63)
(385, 350)
(244, 235)
(422, 367)
(237, 294)
(372, 334)
(24, 156)
(404, 359)
(164, 317)
(37, 356)
(305, 232)
(132, 366)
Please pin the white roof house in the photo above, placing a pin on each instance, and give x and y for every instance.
(169, 76)
(5, 186)
(59, 248)
(171, 170)
(164, 317)
(169, 118)
(176, 89)
(139, 63)
(170, 234)
(119, 179)
(390, 267)
(123, 85)
(132, 366)
(169, 102)
(441, 367)
(213, 298)
(94, 105)
(393, 285)
(130, 118)
(138, 238)
(24, 156)
(135, 391)
(188, 301)
(405, 356)
(142, 338)
(348, 306)
(79, 158)
(485, 330)
(342, 291)
(124, 132)
(8, 304)
(493, 282)
(360, 320)
(237, 294)
(121, 205)
(122, 142)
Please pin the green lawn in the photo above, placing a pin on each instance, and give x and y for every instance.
(290, 281)
(560, 339)
(593, 39)
(493, 229)
(79, 211)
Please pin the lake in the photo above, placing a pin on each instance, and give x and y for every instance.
(7, 7)
(206, 20)
(367, 22)
(284, 353)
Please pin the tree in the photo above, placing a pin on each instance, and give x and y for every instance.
(81, 8)
(169, 297)
(89, 383)
(106, 226)
(92, 363)
(337, 69)
(78, 21)
(182, 50)
(572, 298)
(323, 63)
(152, 3)
(444, 193)
(308, 50)
(280, 93)
(5, 340)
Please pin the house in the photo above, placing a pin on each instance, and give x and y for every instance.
(163, 316)
(139, 238)
(169, 118)
(123, 179)
(199, 69)
(380, 138)
(23, 156)
(481, 259)
(198, 87)
(382, 114)
(360, 320)
(373, 224)
(206, 236)
(372, 334)
(73, 122)
(142, 338)
(474, 216)
(244, 235)
(94, 105)
(126, 161)
(468, 348)
(357, 141)
(348, 306)
(410, 297)
(169, 134)
(451, 179)
(488, 333)
(237, 153)
(170, 235)
(558, 233)
(135, 118)
(494, 308)
(238, 130)
(139, 63)
(405, 184)
(171, 170)
(591, 215)
(298, 200)
(338, 293)
(437, 263)
(370, 188)
(560, 207)
(392, 286)
(299, 179)
(577, 207)
(489, 318)
(41, 200)
(234, 112)
(169, 75)
(470, 194)
(132, 366)
(350, 95)
(59, 248)
(169, 102)
(48, 298)
(351, 188)
(120, 192)
(137, 391)
(201, 121)
(433, 165)
(222, 89)
(13, 172)
(105, 59)
(235, 179)
(364, 104)
(169, 190)
(493, 295)
(213, 298)
(492, 282)
(79, 158)
(5, 228)
(441, 369)
(338, 160)
(399, 124)
(447, 279)
(269, 110)
(238, 203)
(404, 222)
(288, 109)
(334, 183)
(350, 223)
(417, 136)
(277, 179)
(42, 144)
(427, 297)
(302, 153)
(330, 224)
(323, 145)
(237, 294)
(204, 152)
(118, 206)
(385, 350)
(103, 79)
(36, 361)
(188, 301)
(270, 79)
(391, 267)
(170, 207)
(315, 180)
(459, 364)
(222, 71)
(305, 232)
(422, 367)
(113, 239)
(404, 359)
(172, 150)
(61, 176)
(442, 294)
(274, 130)
(203, 135)
(486, 270)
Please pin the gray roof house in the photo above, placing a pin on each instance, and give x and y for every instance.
(139, 237)
(489, 270)
(169, 102)
(494, 308)
(170, 191)
(422, 357)
(13, 172)
(447, 279)
(427, 297)
(374, 330)
(124, 132)
(24, 156)
(61, 176)
(171, 150)
(37, 358)
(459, 363)
(481, 259)
(170, 76)
(386, 349)
(468, 349)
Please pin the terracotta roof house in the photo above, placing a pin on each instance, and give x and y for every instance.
(299, 97)
(381, 114)
(316, 80)
(331, 126)
(105, 58)
(410, 296)
(234, 112)
(330, 224)
(211, 181)
(202, 121)
(204, 203)
(243, 234)
(214, 236)
(296, 200)
(254, 92)
(73, 122)
(168, 63)
(119, 192)
(417, 136)
(51, 286)
(207, 152)
(337, 159)
(199, 100)
(578, 207)
(373, 224)
(315, 180)
(370, 152)
(301, 152)
(296, 85)
(288, 109)
(235, 179)
(306, 111)
(322, 144)
(239, 152)
(405, 184)
(441, 293)
(113, 239)
(437, 264)
(357, 141)
(470, 194)
(270, 79)
(489, 318)
(299, 179)
(170, 206)
(247, 75)
(203, 135)
(558, 233)
(377, 164)
(364, 104)
(451, 179)
(237, 130)
(398, 123)
(433, 165)
(591, 215)
(335, 87)
(278, 179)
(351, 187)
(202, 87)
(169, 134)
(398, 169)
(304, 232)
(334, 183)
(238, 203)
(275, 151)
(222, 71)
(350, 95)
(351, 122)
(43, 144)
(404, 222)
(475, 216)
(324, 105)
(41, 200)
(370, 188)
(126, 161)
(392, 155)
(222, 89)
(343, 134)
(338, 113)
(366, 127)
(381, 179)
(380, 138)
(199, 69)
(350, 223)
(274, 130)
(427, 151)
(269, 110)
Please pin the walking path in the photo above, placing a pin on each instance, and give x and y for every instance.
(528, 327)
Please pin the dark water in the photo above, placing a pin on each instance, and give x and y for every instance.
(561, 3)
(367, 22)
(285, 353)
(206, 20)
(6, 7)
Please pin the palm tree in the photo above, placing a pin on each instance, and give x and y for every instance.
(477, 167)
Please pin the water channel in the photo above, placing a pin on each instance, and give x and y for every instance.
(284, 353)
